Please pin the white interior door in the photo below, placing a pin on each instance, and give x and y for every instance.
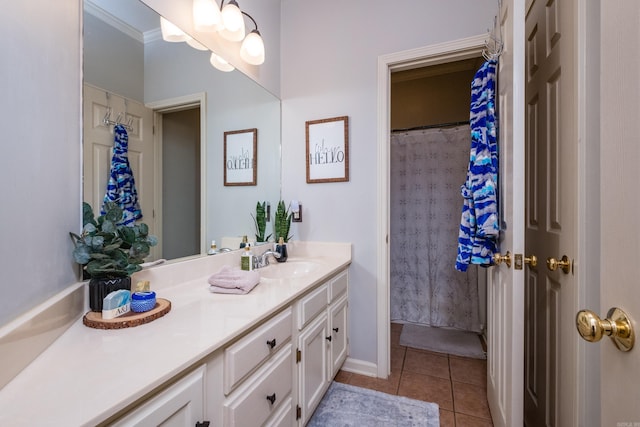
(505, 291)
(98, 148)
(620, 204)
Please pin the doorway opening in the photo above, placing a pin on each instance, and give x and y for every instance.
(445, 53)
(436, 307)
(181, 183)
(180, 136)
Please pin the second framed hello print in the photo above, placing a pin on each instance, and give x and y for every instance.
(327, 150)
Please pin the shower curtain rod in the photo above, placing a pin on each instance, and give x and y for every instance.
(439, 125)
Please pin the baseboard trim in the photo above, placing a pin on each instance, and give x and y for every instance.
(361, 367)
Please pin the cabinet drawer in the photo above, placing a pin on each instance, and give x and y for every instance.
(249, 405)
(181, 403)
(284, 416)
(338, 285)
(311, 305)
(243, 357)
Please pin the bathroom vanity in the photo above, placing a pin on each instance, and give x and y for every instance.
(264, 358)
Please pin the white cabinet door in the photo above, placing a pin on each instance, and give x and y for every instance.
(313, 375)
(179, 405)
(338, 333)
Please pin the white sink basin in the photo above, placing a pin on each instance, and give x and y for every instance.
(290, 269)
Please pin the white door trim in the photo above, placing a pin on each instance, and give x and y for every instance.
(177, 104)
(456, 50)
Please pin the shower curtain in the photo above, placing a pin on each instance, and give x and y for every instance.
(427, 168)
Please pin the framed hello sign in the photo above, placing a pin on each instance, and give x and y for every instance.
(327, 150)
(241, 157)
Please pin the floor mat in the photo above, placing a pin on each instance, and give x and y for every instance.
(441, 340)
(345, 405)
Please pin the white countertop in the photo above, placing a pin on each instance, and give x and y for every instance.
(88, 375)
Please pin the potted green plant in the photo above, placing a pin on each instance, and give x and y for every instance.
(109, 252)
(281, 227)
(282, 222)
(260, 221)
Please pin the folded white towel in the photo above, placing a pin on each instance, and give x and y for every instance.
(233, 281)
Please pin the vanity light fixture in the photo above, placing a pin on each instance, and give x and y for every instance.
(196, 44)
(220, 63)
(170, 32)
(206, 16)
(232, 21)
(252, 49)
(230, 25)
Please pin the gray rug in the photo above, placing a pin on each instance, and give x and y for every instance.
(349, 406)
(441, 340)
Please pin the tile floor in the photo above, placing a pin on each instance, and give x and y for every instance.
(457, 384)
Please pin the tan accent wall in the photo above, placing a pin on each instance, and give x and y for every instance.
(432, 95)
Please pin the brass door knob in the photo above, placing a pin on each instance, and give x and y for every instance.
(519, 261)
(564, 264)
(617, 325)
(506, 258)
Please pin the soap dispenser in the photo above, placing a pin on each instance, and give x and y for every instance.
(246, 260)
(213, 249)
(281, 248)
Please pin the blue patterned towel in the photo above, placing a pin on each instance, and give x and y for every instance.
(479, 226)
(121, 188)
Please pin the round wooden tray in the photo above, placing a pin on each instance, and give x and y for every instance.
(93, 319)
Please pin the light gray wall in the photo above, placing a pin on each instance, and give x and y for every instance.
(222, 115)
(233, 102)
(112, 60)
(40, 83)
(329, 68)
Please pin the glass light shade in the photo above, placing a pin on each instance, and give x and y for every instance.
(206, 16)
(196, 44)
(233, 22)
(252, 49)
(220, 63)
(170, 32)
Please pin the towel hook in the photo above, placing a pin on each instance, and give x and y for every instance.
(107, 115)
(493, 45)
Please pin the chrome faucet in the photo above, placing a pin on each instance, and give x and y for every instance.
(218, 251)
(263, 260)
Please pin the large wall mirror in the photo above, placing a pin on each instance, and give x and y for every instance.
(176, 109)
